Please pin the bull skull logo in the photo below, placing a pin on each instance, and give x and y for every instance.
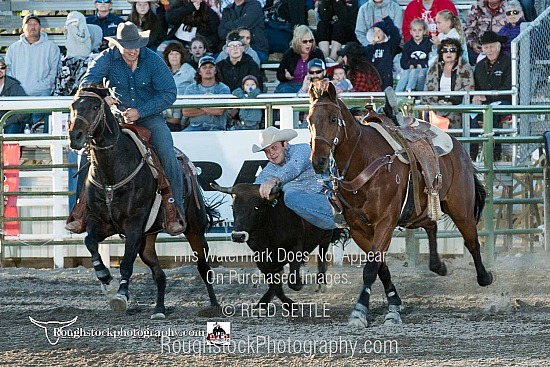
(52, 328)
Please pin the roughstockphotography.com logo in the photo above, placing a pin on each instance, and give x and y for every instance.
(218, 333)
(53, 328)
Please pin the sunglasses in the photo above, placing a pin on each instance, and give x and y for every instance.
(307, 41)
(3, 67)
(451, 49)
(103, 1)
(313, 72)
(512, 12)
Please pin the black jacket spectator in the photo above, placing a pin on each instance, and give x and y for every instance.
(206, 20)
(232, 74)
(249, 15)
(494, 77)
(12, 87)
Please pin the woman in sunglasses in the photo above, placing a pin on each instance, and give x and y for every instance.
(450, 73)
(514, 18)
(293, 67)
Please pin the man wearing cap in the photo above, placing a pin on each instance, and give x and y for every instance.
(105, 19)
(316, 70)
(11, 87)
(33, 60)
(289, 166)
(238, 64)
(145, 87)
(207, 81)
(494, 72)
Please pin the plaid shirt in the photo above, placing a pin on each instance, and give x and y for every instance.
(365, 83)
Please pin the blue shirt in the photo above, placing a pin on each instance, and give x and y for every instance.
(208, 122)
(150, 88)
(297, 173)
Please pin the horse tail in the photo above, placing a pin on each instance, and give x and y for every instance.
(480, 195)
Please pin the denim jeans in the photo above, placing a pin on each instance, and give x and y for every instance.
(161, 139)
(313, 207)
(412, 79)
(289, 87)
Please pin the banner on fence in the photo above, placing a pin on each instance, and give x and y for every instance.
(11, 154)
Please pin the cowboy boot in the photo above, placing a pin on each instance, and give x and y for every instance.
(174, 221)
(76, 223)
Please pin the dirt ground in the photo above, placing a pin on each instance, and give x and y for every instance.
(448, 321)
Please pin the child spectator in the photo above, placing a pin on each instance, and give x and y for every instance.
(383, 40)
(249, 118)
(448, 26)
(514, 18)
(340, 78)
(414, 58)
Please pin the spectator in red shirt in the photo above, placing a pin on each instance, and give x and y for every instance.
(425, 10)
(363, 75)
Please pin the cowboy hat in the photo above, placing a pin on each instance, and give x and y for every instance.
(272, 135)
(128, 36)
(492, 37)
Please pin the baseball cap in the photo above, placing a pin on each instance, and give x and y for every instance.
(29, 17)
(316, 63)
(207, 60)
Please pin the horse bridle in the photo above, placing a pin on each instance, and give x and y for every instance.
(100, 116)
(341, 123)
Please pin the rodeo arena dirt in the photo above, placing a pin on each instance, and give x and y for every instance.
(60, 317)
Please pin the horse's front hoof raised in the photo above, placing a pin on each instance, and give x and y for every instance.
(158, 316)
(119, 303)
(109, 290)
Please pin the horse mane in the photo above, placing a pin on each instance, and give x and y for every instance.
(97, 89)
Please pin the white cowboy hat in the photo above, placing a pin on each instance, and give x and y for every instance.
(129, 37)
(272, 135)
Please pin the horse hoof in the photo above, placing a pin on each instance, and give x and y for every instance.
(392, 318)
(119, 303)
(321, 288)
(109, 290)
(491, 278)
(158, 316)
(358, 319)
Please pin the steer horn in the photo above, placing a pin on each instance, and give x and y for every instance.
(226, 190)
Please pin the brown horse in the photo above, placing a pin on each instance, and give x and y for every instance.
(373, 211)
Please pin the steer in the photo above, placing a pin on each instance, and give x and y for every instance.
(278, 236)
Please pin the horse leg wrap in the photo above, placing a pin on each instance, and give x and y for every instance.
(76, 222)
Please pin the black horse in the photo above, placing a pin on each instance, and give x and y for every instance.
(121, 191)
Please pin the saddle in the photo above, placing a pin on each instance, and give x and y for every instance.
(141, 137)
(421, 145)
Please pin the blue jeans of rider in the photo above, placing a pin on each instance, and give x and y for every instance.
(161, 139)
(313, 207)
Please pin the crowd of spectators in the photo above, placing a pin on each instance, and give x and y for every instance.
(213, 46)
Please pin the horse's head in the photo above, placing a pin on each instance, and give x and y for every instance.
(326, 125)
(87, 111)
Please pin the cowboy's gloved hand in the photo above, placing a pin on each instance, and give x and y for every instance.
(130, 115)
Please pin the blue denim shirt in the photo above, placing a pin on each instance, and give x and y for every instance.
(297, 173)
(150, 88)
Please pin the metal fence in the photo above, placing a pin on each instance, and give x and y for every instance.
(531, 60)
